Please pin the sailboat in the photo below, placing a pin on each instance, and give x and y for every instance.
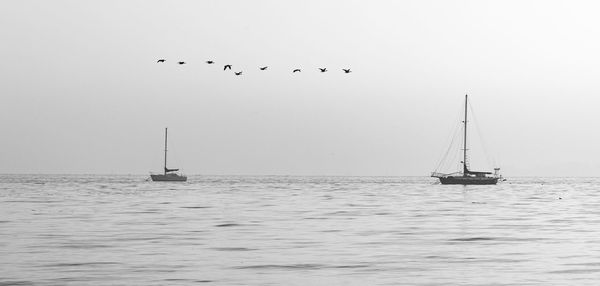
(168, 175)
(468, 177)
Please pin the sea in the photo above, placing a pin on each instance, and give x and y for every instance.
(288, 230)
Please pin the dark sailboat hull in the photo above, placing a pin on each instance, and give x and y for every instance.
(468, 180)
(168, 178)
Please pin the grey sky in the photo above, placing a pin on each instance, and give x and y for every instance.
(81, 92)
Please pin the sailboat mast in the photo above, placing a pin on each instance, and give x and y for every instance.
(165, 168)
(465, 170)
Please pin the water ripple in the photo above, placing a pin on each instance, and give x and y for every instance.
(286, 230)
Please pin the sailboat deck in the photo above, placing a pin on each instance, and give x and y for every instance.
(443, 175)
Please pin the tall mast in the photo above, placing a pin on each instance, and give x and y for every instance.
(165, 168)
(465, 170)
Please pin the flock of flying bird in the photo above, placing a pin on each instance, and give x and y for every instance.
(226, 67)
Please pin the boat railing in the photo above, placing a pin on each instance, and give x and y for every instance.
(442, 175)
(460, 174)
(179, 173)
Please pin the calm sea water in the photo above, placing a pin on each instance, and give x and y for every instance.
(221, 230)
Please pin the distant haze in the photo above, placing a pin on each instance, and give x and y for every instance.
(81, 91)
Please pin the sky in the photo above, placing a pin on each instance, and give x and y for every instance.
(81, 92)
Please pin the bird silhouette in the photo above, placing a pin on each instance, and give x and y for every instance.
(181, 63)
(161, 61)
(226, 67)
(296, 70)
(238, 73)
(347, 70)
(323, 69)
(210, 62)
(263, 68)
